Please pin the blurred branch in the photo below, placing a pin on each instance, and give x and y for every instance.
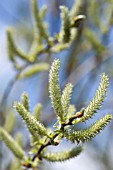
(87, 66)
(6, 93)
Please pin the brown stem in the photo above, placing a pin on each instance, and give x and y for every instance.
(77, 115)
(39, 151)
(42, 147)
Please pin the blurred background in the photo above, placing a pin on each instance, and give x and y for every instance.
(82, 64)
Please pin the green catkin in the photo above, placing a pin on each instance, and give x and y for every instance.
(54, 88)
(11, 144)
(32, 124)
(25, 101)
(63, 155)
(64, 35)
(98, 99)
(65, 99)
(34, 69)
(37, 110)
(90, 132)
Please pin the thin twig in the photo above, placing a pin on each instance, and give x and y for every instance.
(7, 92)
(55, 135)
